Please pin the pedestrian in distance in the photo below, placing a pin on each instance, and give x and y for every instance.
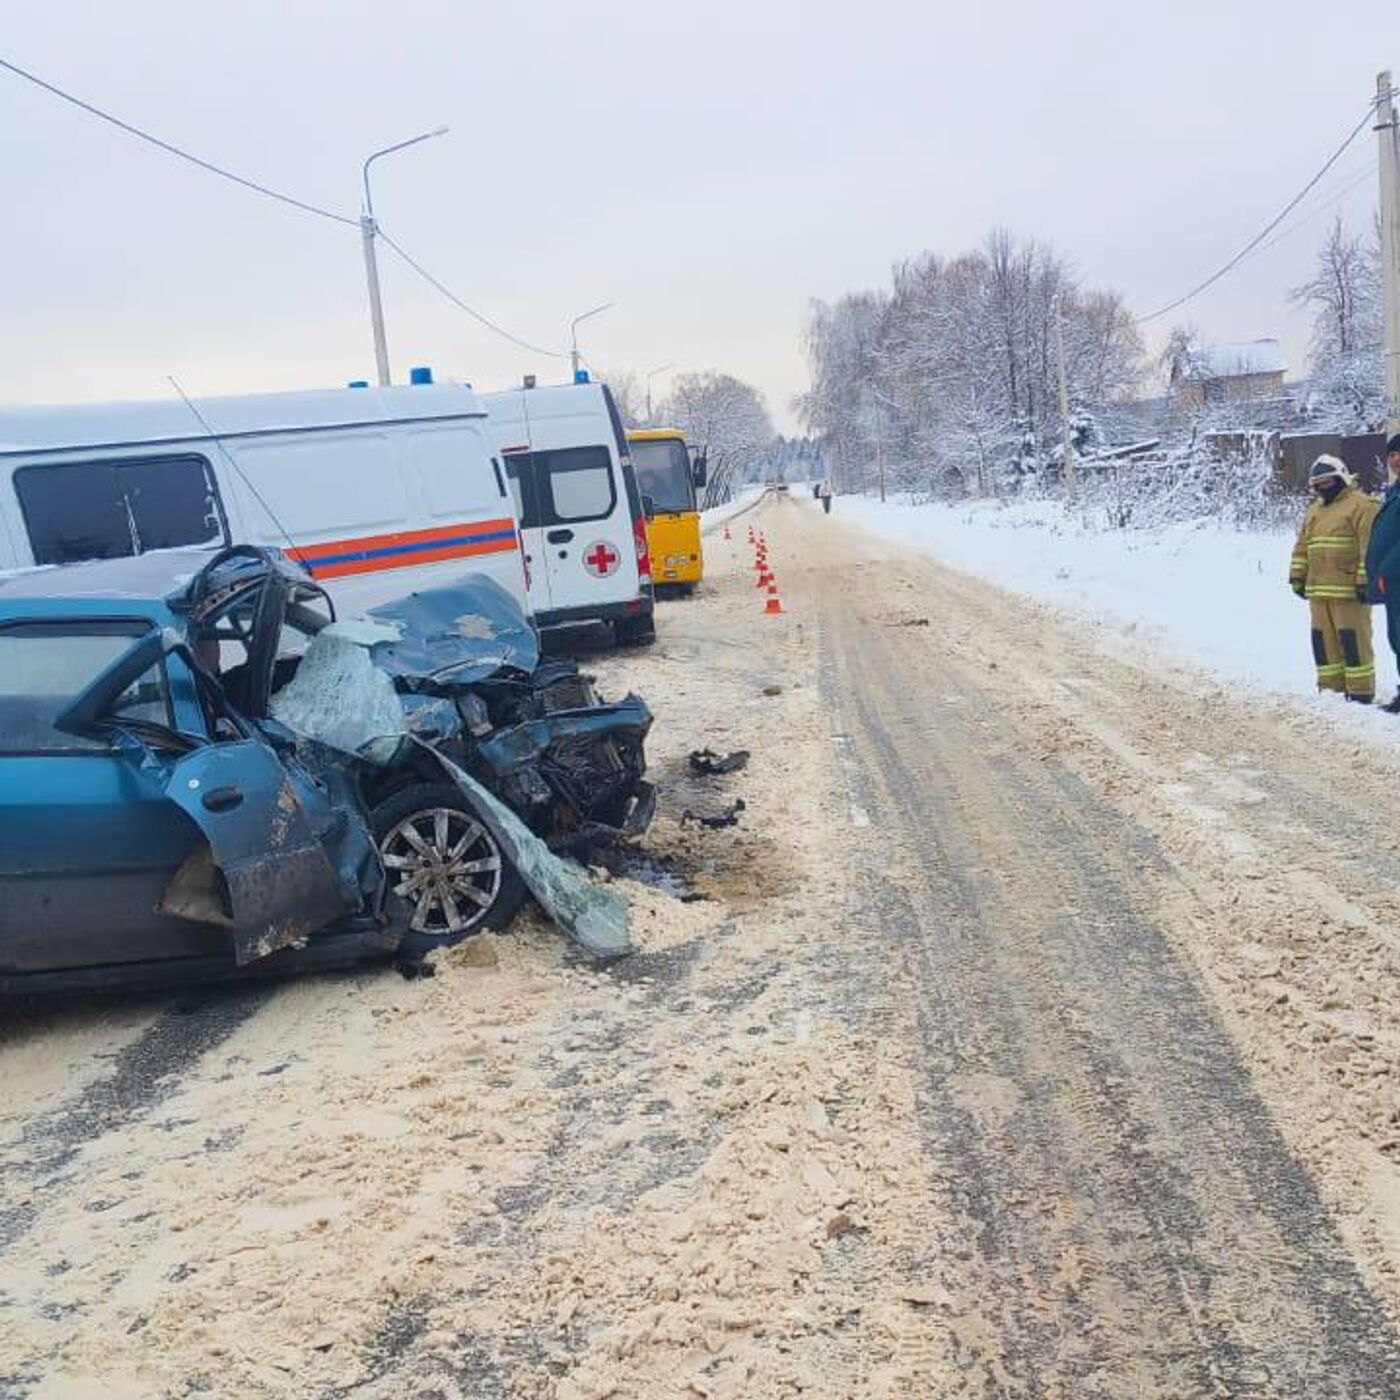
(1383, 558)
(824, 495)
(1328, 568)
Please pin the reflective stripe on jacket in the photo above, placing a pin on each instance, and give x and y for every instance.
(1329, 558)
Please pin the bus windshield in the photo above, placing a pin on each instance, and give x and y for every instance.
(663, 473)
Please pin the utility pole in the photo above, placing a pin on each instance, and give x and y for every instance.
(376, 304)
(1389, 134)
(1064, 400)
(368, 230)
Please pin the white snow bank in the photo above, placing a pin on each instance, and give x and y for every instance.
(712, 519)
(1215, 597)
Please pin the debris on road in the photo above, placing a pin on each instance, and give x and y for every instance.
(718, 820)
(706, 763)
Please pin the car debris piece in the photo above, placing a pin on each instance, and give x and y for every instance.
(596, 918)
(717, 820)
(772, 690)
(708, 764)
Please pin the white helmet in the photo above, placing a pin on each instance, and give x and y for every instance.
(1326, 467)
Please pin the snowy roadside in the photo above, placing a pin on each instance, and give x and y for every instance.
(1205, 594)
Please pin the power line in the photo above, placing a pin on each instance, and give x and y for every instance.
(1368, 174)
(463, 306)
(171, 149)
(1269, 227)
(174, 150)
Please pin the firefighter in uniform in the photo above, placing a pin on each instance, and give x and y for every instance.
(1329, 570)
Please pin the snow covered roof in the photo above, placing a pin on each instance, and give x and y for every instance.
(1230, 361)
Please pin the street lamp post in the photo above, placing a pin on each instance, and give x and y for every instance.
(660, 369)
(368, 229)
(573, 331)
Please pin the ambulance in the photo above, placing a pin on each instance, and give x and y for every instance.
(582, 525)
(376, 492)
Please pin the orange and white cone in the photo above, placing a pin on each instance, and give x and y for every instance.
(774, 606)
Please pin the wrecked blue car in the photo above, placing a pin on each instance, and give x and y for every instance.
(203, 772)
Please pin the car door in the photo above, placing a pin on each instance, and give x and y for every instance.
(590, 556)
(89, 840)
(265, 874)
(281, 856)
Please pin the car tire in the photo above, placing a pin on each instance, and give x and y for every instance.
(441, 819)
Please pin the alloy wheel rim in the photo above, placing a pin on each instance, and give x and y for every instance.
(447, 866)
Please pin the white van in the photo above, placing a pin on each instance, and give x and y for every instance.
(376, 491)
(581, 520)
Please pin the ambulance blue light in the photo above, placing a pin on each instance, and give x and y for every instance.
(420, 374)
(358, 384)
(580, 376)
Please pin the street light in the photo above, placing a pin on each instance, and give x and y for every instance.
(573, 330)
(368, 229)
(660, 369)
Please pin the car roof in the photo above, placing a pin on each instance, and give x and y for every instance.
(147, 578)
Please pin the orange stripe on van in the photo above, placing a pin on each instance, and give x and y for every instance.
(369, 554)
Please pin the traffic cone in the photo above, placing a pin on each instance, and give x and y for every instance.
(774, 606)
(726, 533)
(764, 580)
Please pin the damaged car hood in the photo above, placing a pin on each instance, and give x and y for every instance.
(461, 633)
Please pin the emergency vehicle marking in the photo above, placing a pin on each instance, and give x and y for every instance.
(601, 559)
(371, 554)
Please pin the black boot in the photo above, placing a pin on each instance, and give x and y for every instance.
(1392, 707)
(1362, 700)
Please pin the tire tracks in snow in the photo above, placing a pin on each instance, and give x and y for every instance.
(1134, 1222)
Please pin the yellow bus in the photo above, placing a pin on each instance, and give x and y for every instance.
(667, 479)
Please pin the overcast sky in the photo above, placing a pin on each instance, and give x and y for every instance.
(709, 167)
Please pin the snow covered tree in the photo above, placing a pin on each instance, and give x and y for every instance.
(1347, 356)
(950, 378)
(727, 420)
(628, 394)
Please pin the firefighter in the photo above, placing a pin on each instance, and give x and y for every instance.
(1329, 570)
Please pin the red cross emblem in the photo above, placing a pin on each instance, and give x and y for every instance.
(601, 559)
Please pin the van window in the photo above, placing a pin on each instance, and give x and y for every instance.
(109, 510)
(562, 487)
(580, 483)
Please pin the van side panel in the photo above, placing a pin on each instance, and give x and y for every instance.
(361, 510)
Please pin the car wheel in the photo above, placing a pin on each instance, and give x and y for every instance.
(445, 864)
